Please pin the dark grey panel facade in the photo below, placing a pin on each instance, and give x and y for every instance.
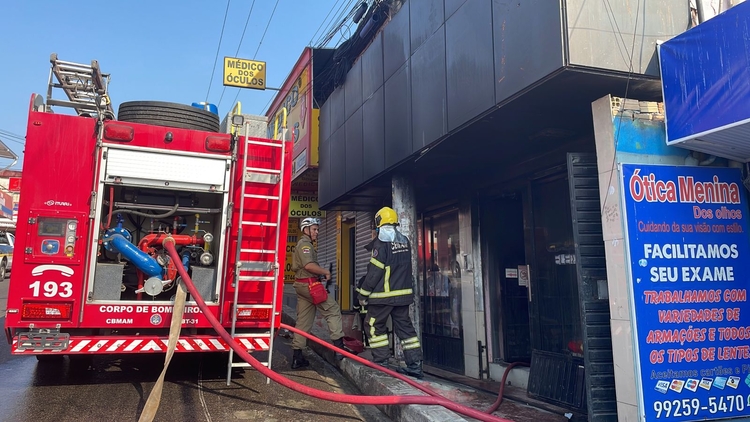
(426, 18)
(372, 67)
(494, 51)
(324, 121)
(353, 89)
(354, 160)
(324, 168)
(338, 109)
(337, 168)
(528, 41)
(373, 136)
(469, 62)
(398, 116)
(429, 98)
(451, 6)
(396, 42)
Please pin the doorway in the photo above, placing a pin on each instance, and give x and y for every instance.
(502, 225)
(346, 283)
(556, 316)
(440, 275)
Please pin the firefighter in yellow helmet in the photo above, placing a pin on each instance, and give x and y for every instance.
(387, 290)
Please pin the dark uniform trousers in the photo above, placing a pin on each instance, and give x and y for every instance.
(375, 326)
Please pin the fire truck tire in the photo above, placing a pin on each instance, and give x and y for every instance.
(50, 358)
(168, 114)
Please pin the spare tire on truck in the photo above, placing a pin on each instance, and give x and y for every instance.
(168, 114)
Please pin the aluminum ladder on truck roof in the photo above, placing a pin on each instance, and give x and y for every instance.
(84, 85)
(247, 270)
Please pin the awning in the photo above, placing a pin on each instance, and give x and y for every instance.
(705, 74)
(5, 152)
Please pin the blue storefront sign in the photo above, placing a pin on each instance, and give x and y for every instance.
(689, 256)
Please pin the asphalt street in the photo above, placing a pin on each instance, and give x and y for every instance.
(115, 388)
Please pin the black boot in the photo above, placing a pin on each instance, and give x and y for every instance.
(340, 344)
(383, 363)
(299, 361)
(413, 370)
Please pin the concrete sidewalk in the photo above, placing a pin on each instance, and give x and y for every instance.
(375, 383)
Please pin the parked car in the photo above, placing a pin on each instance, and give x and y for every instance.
(7, 240)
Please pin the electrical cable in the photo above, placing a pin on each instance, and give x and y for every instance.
(11, 134)
(218, 47)
(331, 24)
(341, 19)
(259, 44)
(322, 23)
(622, 111)
(237, 53)
(330, 77)
(169, 245)
(12, 137)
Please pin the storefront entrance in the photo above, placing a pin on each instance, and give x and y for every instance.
(440, 278)
(544, 266)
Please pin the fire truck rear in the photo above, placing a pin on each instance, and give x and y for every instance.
(99, 197)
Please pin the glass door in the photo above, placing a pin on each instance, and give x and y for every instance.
(440, 278)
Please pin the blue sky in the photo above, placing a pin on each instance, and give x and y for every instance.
(161, 50)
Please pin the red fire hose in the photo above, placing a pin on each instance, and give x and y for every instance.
(490, 410)
(312, 392)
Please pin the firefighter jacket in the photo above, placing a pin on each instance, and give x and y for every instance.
(389, 278)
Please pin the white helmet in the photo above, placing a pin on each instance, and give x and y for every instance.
(309, 221)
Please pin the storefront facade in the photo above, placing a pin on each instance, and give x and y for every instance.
(498, 143)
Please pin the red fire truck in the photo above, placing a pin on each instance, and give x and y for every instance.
(100, 195)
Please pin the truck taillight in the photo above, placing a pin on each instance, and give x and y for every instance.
(59, 311)
(218, 143)
(247, 314)
(117, 132)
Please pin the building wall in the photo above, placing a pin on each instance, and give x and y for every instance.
(364, 236)
(438, 65)
(627, 131)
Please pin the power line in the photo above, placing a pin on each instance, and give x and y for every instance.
(266, 30)
(270, 100)
(273, 12)
(12, 137)
(322, 23)
(305, 88)
(333, 26)
(622, 111)
(10, 134)
(237, 53)
(332, 23)
(218, 47)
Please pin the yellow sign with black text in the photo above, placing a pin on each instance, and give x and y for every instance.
(305, 205)
(243, 73)
(293, 234)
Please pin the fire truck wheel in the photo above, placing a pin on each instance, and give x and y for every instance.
(168, 114)
(50, 358)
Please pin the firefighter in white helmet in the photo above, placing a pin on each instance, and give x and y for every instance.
(307, 273)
